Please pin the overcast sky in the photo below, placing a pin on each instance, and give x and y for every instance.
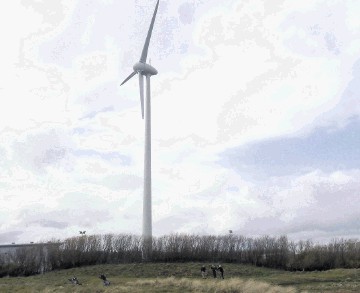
(255, 116)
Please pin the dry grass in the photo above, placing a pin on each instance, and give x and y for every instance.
(233, 285)
(172, 284)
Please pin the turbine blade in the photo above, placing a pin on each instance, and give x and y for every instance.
(130, 76)
(147, 41)
(141, 85)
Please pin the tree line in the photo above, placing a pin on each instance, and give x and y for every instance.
(266, 251)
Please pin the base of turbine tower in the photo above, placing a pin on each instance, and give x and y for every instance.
(146, 249)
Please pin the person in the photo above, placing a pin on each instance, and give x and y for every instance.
(213, 268)
(74, 281)
(106, 282)
(221, 270)
(203, 272)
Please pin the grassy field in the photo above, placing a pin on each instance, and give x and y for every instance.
(185, 277)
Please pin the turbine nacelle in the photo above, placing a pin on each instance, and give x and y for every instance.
(144, 69)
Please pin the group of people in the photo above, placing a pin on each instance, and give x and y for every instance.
(74, 280)
(214, 270)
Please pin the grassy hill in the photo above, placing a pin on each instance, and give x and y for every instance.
(185, 277)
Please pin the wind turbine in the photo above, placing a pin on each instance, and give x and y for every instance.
(142, 69)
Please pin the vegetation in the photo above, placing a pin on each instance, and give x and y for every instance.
(185, 277)
(271, 252)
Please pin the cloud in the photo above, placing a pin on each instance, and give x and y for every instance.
(266, 80)
(60, 219)
(317, 203)
(186, 13)
(328, 149)
(10, 237)
(281, 92)
(40, 149)
(50, 224)
(347, 109)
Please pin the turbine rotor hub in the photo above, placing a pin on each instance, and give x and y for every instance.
(145, 69)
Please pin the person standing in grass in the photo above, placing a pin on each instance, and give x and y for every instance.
(213, 268)
(203, 272)
(221, 270)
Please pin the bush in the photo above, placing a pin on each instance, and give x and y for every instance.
(272, 252)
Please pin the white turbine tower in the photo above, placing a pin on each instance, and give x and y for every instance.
(143, 69)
